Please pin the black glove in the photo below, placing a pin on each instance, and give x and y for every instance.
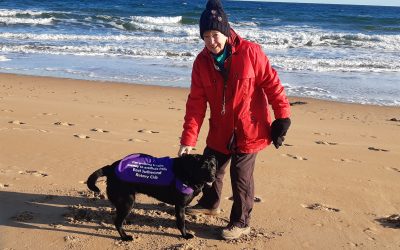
(279, 128)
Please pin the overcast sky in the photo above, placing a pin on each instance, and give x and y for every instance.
(363, 2)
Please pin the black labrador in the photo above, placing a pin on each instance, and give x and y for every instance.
(194, 171)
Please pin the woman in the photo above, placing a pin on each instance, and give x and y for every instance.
(235, 78)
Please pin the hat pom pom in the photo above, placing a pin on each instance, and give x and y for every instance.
(213, 5)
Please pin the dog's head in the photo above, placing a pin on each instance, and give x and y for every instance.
(196, 170)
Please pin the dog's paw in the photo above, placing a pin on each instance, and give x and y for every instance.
(188, 236)
(127, 238)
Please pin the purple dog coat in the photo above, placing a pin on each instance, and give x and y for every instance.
(146, 169)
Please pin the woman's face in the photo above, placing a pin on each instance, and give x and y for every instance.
(214, 41)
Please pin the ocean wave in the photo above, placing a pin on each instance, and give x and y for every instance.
(177, 29)
(37, 17)
(337, 65)
(307, 91)
(321, 93)
(17, 20)
(13, 13)
(4, 59)
(97, 50)
(86, 38)
(305, 37)
(245, 24)
(157, 20)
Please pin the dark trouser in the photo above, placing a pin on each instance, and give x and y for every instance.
(242, 182)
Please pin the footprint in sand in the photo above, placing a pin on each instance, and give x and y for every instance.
(146, 131)
(64, 124)
(99, 130)
(392, 221)
(4, 185)
(71, 239)
(33, 172)
(345, 160)
(17, 122)
(97, 116)
(394, 120)
(322, 207)
(256, 199)
(172, 108)
(82, 136)
(371, 233)
(56, 225)
(393, 169)
(370, 136)
(23, 216)
(8, 110)
(297, 103)
(136, 140)
(323, 134)
(378, 149)
(296, 157)
(137, 119)
(326, 143)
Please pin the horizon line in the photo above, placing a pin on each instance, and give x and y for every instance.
(353, 4)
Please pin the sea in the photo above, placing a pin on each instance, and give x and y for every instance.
(345, 53)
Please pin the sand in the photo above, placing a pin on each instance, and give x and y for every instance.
(334, 184)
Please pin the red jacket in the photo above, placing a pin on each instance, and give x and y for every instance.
(252, 85)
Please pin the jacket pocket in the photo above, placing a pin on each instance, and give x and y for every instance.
(244, 82)
(254, 129)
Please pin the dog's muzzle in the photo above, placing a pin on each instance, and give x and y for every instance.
(209, 184)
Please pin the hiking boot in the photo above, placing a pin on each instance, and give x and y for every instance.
(234, 232)
(197, 209)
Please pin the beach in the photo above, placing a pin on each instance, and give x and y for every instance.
(333, 185)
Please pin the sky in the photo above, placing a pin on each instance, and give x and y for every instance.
(362, 2)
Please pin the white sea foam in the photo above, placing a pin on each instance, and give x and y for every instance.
(97, 50)
(11, 12)
(338, 64)
(297, 37)
(315, 92)
(344, 88)
(171, 29)
(17, 20)
(4, 59)
(109, 38)
(157, 20)
(186, 47)
(244, 24)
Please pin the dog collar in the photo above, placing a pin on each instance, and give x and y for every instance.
(182, 187)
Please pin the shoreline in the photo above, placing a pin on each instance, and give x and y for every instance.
(334, 184)
(300, 98)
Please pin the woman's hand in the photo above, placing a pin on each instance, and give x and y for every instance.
(183, 150)
(279, 128)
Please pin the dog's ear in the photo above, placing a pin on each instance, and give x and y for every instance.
(210, 161)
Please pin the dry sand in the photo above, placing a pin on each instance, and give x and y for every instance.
(335, 184)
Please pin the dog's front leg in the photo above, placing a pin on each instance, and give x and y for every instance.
(180, 221)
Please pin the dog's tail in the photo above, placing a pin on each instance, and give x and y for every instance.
(91, 181)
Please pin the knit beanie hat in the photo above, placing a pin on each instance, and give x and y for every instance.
(214, 18)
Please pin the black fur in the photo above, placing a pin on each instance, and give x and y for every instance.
(193, 170)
